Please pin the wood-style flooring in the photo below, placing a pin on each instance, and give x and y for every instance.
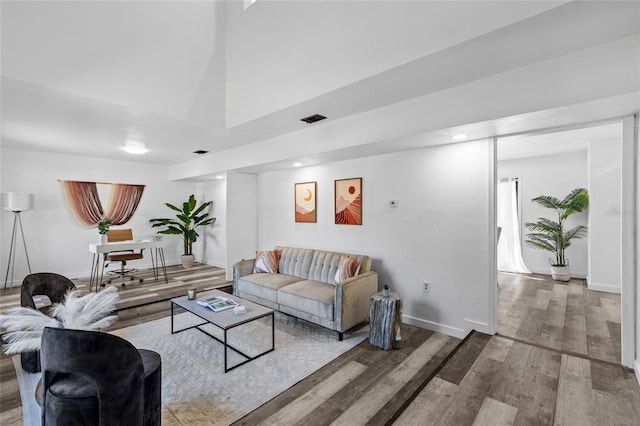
(564, 316)
(440, 380)
(488, 380)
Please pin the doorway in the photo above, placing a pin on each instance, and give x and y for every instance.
(583, 315)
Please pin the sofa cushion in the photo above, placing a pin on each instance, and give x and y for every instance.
(347, 268)
(295, 261)
(313, 297)
(263, 285)
(266, 261)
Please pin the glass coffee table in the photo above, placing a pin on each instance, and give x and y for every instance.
(224, 320)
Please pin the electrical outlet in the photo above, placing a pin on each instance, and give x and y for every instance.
(426, 286)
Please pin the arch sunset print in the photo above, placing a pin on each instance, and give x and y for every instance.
(348, 201)
(305, 200)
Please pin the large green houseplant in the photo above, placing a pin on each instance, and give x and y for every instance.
(550, 235)
(189, 217)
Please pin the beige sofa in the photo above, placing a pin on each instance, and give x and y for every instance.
(304, 287)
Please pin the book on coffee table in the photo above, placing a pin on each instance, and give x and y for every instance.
(218, 303)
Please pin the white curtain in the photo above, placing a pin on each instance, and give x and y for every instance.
(509, 248)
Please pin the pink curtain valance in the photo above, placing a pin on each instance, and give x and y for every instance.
(84, 204)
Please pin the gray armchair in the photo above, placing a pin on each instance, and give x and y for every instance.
(95, 378)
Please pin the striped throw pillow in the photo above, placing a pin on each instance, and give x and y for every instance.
(266, 262)
(347, 268)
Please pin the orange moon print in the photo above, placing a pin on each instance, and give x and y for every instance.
(305, 202)
(348, 201)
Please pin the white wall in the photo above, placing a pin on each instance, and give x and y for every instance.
(242, 218)
(56, 242)
(212, 245)
(557, 176)
(438, 233)
(632, 218)
(637, 272)
(605, 226)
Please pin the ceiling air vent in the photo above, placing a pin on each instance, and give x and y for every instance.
(313, 118)
(200, 152)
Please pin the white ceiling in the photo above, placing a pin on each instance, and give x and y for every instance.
(80, 77)
(540, 144)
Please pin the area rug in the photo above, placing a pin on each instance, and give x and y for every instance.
(195, 389)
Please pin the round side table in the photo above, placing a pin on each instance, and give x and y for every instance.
(385, 317)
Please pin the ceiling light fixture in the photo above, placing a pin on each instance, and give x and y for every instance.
(296, 164)
(135, 147)
(219, 177)
(459, 137)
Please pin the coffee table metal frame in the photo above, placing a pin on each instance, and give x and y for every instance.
(224, 321)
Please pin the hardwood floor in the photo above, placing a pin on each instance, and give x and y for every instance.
(488, 380)
(440, 380)
(564, 316)
(365, 385)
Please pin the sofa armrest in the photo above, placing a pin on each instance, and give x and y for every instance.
(240, 269)
(352, 299)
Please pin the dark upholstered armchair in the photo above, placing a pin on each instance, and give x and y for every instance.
(51, 285)
(95, 378)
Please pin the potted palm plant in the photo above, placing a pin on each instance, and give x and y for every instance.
(189, 218)
(550, 235)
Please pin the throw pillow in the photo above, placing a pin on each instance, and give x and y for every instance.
(41, 301)
(347, 268)
(266, 262)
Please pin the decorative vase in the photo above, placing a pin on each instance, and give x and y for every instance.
(560, 273)
(187, 260)
(103, 238)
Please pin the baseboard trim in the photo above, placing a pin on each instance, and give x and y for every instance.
(434, 326)
(636, 368)
(85, 275)
(603, 287)
(214, 263)
(482, 327)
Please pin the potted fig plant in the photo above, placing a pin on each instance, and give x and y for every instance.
(550, 235)
(189, 218)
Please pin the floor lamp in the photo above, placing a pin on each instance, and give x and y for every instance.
(16, 202)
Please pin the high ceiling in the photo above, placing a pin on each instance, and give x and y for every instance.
(83, 77)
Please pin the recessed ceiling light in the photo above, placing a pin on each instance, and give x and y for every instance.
(459, 137)
(135, 147)
(219, 177)
(297, 164)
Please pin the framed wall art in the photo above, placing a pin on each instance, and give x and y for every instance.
(348, 201)
(305, 202)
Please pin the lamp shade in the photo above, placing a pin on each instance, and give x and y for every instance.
(16, 201)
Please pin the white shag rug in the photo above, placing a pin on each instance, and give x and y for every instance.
(195, 389)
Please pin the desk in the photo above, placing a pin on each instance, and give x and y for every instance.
(99, 251)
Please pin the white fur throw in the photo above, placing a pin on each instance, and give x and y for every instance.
(23, 326)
